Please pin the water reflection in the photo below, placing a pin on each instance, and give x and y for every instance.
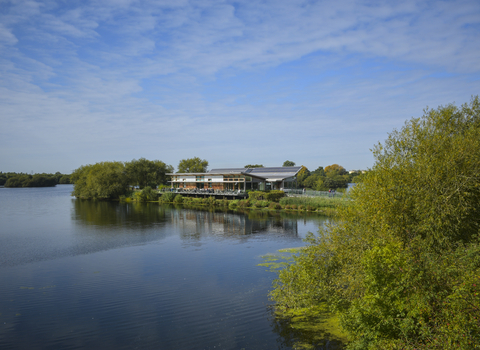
(133, 215)
(83, 274)
(203, 223)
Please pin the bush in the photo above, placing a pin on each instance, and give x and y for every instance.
(274, 196)
(223, 203)
(195, 201)
(256, 195)
(274, 206)
(147, 194)
(167, 197)
(233, 204)
(178, 199)
(401, 265)
(244, 203)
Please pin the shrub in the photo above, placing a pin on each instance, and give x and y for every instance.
(274, 196)
(301, 207)
(400, 266)
(178, 199)
(167, 197)
(244, 203)
(256, 195)
(274, 206)
(263, 204)
(233, 204)
(221, 203)
(196, 201)
(293, 206)
(147, 194)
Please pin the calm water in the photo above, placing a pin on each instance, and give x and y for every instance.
(80, 274)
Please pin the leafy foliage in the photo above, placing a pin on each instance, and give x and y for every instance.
(144, 172)
(192, 165)
(340, 170)
(288, 163)
(37, 180)
(167, 197)
(110, 180)
(274, 195)
(333, 177)
(302, 175)
(105, 180)
(253, 166)
(146, 195)
(401, 266)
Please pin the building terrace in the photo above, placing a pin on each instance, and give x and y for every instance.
(236, 180)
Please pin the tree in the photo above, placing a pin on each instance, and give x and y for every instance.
(288, 163)
(25, 180)
(105, 180)
(302, 175)
(340, 170)
(192, 165)
(319, 171)
(311, 181)
(144, 172)
(254, 166)
(401, 265)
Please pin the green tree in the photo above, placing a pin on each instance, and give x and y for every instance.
(288, 163)
(144, 172)
(319, 171)
(302, 175)
(340, 170)
(36, 180)
(253, 166)
(105, 180)
(401, 266)
(65, 179)
(192, 165)
(311, 181)
(147, 194)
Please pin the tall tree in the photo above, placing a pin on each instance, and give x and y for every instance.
(192, 165)
(302, 175)
(340, 170)
(253, 166)
(288, 163)
(144, 172)
(401, 264)
(105, 180)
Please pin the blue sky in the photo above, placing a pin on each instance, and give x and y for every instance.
(233, 82)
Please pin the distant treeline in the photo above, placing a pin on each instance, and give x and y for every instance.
(332, 177)
(36, 180)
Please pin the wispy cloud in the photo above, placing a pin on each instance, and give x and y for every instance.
(233, 82)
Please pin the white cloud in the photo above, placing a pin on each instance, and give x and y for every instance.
(112, 79)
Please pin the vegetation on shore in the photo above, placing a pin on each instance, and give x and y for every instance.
(401, 265)
(111, 180)
(272, 200)
(35, 180)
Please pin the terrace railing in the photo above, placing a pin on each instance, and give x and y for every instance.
(311, 193)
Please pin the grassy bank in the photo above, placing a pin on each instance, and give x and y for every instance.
(321, 205)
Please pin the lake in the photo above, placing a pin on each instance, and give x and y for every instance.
(81, 274)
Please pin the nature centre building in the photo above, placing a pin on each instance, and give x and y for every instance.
(231, 179)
